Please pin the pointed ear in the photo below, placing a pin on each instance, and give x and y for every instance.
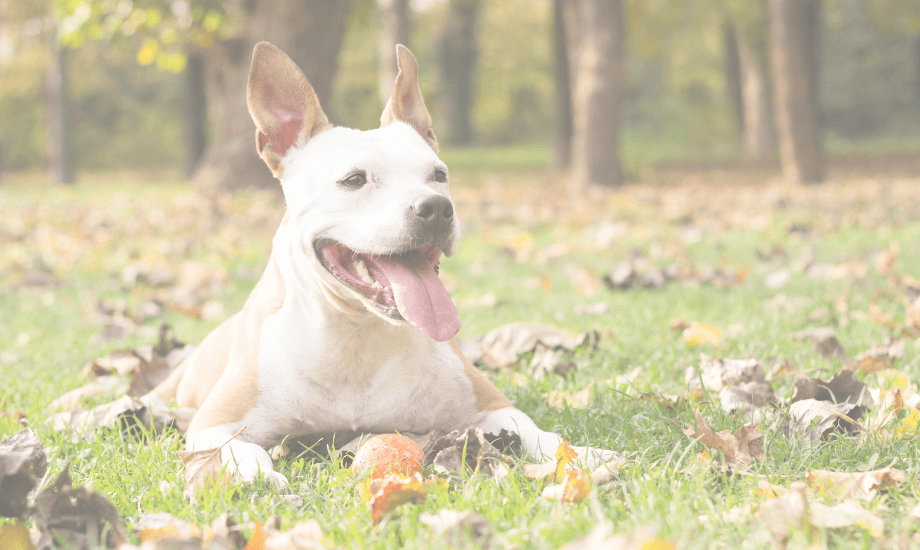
(406, 104)
(282, 104)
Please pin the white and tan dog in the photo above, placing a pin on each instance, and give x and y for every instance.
(349, 329)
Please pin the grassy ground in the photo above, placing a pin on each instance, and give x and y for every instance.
(531, 252)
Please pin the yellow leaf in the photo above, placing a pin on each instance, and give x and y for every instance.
(564, 455)
(15, 536)
(575, 485)
(395, 491)
(701, 333)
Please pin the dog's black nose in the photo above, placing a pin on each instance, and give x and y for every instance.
(433, 208)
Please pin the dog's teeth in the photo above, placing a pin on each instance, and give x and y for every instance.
(377, 285)
(363, 273)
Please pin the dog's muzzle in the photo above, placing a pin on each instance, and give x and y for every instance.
(401, 286)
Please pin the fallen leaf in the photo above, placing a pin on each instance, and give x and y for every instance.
(600, 539)
(819, 419)
(845, 514)
(701, 333)
(502, 346)
(854, 485)
(741, 384)
(459, 529)
(739, 449)
(204, 469)
(453, 452)
(844, 387)
(564, 454)
(393, 492)
(15, 536)
(22, 462)
(257, 539)
(575, 485)
(826, 343)
(163, 525)
(102, 385)
(578, 400)
(306, 535)
(127, 413)
(786, 513)
(76, 516)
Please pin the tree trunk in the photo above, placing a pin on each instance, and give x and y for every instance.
(395, 21)
(310, 32)
(457, 55)
(595, 31)
(563, 145)
(759, 136)
(60, 147)
(196, 114)
(733, 72)
(794, 63)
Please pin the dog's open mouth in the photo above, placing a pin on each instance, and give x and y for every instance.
(402, 286)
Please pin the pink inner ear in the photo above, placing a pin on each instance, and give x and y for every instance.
(291, 124)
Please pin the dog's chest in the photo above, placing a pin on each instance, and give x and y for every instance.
(320, 385)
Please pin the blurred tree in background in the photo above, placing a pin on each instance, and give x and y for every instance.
(160, 83)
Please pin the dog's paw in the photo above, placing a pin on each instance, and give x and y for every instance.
(591, 458)
(250, 462)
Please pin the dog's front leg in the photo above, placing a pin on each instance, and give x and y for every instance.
(537, 443)
(249, 461)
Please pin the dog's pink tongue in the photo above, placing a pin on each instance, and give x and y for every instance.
(420, 297)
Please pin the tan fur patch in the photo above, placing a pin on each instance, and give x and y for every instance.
(236, 390)
(488, 397)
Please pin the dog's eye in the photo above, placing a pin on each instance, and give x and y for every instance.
(354, 181)
(440, 176)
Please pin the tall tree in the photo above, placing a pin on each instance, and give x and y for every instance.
(60, 146)
(395, 25)
(794, 61)
(310, 32)
(595, 32)
(457, 56)
(563, 142)
(195, 108)
(759, 135)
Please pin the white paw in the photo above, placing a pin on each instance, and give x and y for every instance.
(251, 462)
(590, 458)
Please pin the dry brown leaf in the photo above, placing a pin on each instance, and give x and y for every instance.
(826, 343)
(76, 516)
(127, 413)
(575, 485)
(395, 491)
(844, 387)
(306, 535)
(819, 419)
(163, 525)
(502, 346)
(741, 383)
(845, 514)
(102, 385)
(578, 400)
(740, 449)
(471, 449)
(854, 485)
(458, 529)
(204, 469)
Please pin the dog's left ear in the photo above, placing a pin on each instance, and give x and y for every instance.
(406, 104)
(282, 104)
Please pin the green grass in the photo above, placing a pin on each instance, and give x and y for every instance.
(86, 234)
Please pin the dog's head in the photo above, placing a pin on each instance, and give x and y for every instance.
(371, 209)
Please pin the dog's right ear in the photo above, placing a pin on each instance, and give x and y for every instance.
(283, 105)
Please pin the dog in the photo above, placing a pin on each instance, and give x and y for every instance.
(349, 328)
